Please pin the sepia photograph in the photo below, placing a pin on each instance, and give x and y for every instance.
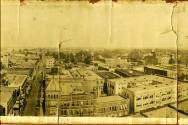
(94, 62)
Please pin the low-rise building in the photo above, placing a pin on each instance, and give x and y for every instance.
(8, 98)
(166, 71)
(111, 106)
(170, 71)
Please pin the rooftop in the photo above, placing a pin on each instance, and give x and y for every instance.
(65, 87)
(16, 80)
(5, 95)
(107, 75)
(146, 82)
(85, 74)
(21, 63)
(19, 71)
(109, 99)
(166, 67)
(70, 85)
(149, 82)
(129, 72)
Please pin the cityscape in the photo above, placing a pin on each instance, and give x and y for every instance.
(86, 82)
(94, 61)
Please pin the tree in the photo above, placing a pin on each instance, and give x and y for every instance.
(88, 59)
(135, 55)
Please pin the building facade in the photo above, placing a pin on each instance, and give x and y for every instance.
(153, 92)
(50, 62)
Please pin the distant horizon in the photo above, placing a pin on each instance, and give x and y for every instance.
(87, 47)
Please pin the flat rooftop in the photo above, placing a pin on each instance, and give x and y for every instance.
(19, 71)
(129, 72)
(21, 63)
(5, 95)
(16, 80)
(149, 82)
(146, 82)
(161, 67)
(107, 75)
(109, 99)
(164, 112)
(87, 74)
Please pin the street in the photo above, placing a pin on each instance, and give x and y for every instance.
(33, 105)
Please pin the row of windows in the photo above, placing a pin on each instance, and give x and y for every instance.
(154, 102)
(77, 112)
(76, 103)
(157, 95)
(55, 96)
(112, 108)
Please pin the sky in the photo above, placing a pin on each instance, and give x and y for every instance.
(101, 25)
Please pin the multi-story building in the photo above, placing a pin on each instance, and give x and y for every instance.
(50, 62)
(105, 75)
(111, 106)
(167, 71)
(8, 98)
(80, 98)
(116, 86)
(20, 84)
(153, 91)
(64, 89)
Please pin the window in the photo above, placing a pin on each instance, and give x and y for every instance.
(138, 98)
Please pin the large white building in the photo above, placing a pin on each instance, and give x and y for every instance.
(153, 91)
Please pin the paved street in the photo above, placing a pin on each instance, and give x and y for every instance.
(32, 104)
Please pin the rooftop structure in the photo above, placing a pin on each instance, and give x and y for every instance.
(128, 72)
